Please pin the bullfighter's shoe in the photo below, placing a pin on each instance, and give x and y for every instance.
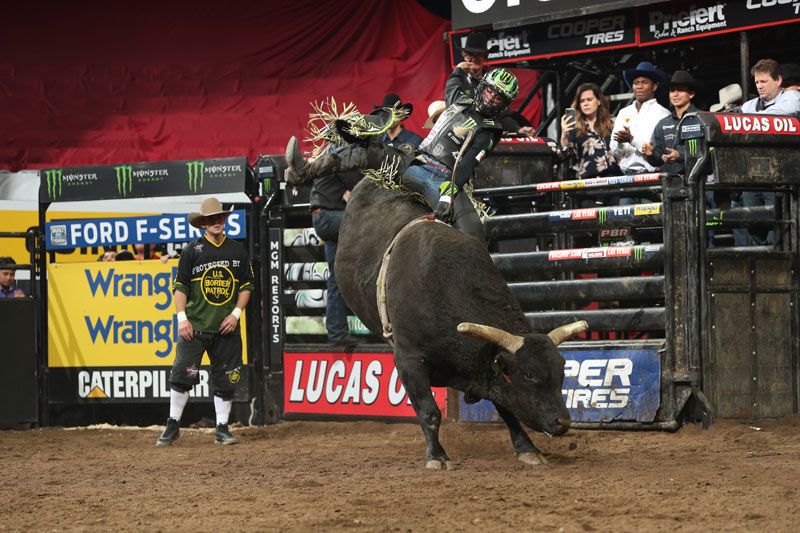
(171, 433)
(224, 436)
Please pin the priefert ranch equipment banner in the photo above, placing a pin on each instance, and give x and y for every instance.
(112, 331)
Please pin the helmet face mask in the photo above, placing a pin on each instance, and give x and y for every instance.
(496, 90)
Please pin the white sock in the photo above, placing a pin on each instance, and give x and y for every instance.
(177, 401)
(223, 409)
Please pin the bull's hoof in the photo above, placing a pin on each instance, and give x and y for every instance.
(530, 458)
(435, 464)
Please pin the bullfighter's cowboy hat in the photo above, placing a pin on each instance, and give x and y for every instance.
(647, 70)
(436, 108)
(208, 208)
(730, 94)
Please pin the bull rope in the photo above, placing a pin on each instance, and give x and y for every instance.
(381, 282)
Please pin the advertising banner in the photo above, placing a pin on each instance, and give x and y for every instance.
(155, 229)
(674, 21)
(108, 321)
(140, 180)
(599, 386)
(590, 33)
(363, 384)
(472, 13)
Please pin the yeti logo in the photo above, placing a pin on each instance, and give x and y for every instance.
(197, 171)
(124, 179)
(53, 182)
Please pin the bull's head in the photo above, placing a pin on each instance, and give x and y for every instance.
(530, 373)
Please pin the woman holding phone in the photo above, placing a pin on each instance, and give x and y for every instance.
(586, 133)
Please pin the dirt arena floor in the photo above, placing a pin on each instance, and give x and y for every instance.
(370, 476)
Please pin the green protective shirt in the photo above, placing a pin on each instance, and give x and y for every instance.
(212, 276)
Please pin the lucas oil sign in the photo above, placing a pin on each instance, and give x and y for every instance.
(365, 384)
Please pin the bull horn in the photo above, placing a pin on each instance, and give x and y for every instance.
(504, 339)
(562, 333)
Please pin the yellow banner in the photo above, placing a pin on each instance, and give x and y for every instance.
(114, 314)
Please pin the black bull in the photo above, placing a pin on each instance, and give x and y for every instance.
(441, 285)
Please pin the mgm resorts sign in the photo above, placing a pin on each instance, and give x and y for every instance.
(142, 180)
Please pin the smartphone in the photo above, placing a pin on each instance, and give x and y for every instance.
(571, 113)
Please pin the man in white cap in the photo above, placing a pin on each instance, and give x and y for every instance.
(211, 289)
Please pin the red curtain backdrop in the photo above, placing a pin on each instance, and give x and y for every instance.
(85, 83)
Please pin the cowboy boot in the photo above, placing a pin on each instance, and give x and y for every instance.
(300, 171)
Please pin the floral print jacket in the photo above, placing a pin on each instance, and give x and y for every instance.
(592, 153)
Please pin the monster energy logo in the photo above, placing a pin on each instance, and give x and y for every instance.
(692, 144)
(124, 179)
(197, 171)
(637, 253)
(602, 215)
(53, 182)
(469, 124)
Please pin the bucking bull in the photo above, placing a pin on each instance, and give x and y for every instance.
(453, 320)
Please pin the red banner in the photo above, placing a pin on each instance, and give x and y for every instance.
(364, 384)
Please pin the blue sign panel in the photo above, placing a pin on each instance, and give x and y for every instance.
(599, 386)
(153, 229)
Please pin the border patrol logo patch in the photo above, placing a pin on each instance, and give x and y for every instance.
(217, 284)
(234, 376)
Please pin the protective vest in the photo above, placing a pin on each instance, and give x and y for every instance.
(448, 134)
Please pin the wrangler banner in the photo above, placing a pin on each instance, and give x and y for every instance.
(107, 321)
(141, 180)
(363, 384)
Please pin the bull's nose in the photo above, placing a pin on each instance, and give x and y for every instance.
(562, 425)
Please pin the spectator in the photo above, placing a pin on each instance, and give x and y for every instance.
(124, 255)
(635, 124)
(588, 137)
(467, 74)
(110, 255)
(664, 150)
(730, 95)
(328, 200)
(434, 110)
(140, 252)
(791, 76)
(397, 134)
(7, 277)
(771, 100)
(211, 289)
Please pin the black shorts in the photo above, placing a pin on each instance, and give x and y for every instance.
(225, 354)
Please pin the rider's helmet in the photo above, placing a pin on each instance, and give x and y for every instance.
(499, 82)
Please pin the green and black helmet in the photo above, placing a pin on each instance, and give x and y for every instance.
(498, 82)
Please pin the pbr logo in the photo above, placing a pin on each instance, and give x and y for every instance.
(124, 179)
(197, 172)
(54, 178)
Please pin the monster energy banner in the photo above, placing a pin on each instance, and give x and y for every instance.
(141, 180)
